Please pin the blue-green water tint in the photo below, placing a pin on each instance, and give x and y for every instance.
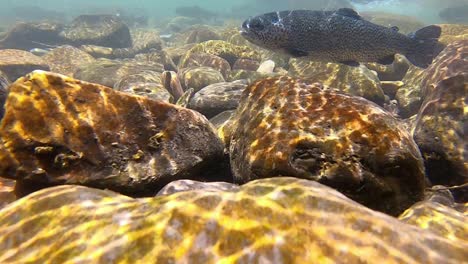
(426, 11)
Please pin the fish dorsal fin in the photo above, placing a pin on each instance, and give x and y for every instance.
(395, 28)
(349, 12)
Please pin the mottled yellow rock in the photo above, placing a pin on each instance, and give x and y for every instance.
(281, 220)
(199, 77)
(409, 95)
(358, 81)
(59, 130)
(225, 50)
(453, 32)
(288, 126)
(440, 131)
(7, 192)
(200, 59)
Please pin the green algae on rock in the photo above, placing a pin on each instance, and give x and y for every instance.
(277, 220)
(358, 81)
(287, 126)
(84, 133)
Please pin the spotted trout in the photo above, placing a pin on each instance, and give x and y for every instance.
(340, 36)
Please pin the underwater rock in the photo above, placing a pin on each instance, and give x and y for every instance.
(393, 72)
(223, 49)
(176, 53)
(452, 33)
(452, 61)
(246, 64)
(439, 214)
(67, 59)
(171, 82)
(108, 72)
(144, 41)
(189, 185)
(159, 57)
(405, 24)
(440, 131)
(199, 77)
(27, 36)
(200, 59)
(144, 83)
(4, 83)
(409, 95)
(201, 34)
(279, 220)
(267, 66)
(7, 192)
(287, 126)
(88, 134)
(358, 81)
(250, 76)
(218, 97)
(16, 63)
(100, 30)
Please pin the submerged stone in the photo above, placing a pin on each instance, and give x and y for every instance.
(440, 131)
(101, 30)
(279, 220)
(16, 63)
(287, 126)
(358, 81)
(84, 133)
(67, 59)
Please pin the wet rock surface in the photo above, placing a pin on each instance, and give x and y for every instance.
(98, 137)
(67, 59)
(101, 30)
(200, 59)
(199, 77)
(279, 219)
(145, 83)
(16, 63)
(218, 97)
(409, 96)
(287, 126)
(7, 192)
(358, 81)
(440, 131)
(109, 72)
(225, 50)
(4, 83)
(27, 36)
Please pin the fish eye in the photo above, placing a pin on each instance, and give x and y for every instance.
(256, 24)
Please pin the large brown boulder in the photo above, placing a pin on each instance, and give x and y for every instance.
(26, 36)
(84, 133)
(287, 126)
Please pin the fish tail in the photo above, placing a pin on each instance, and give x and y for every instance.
(425, 47)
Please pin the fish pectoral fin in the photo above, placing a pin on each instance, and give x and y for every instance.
(386, 60)
(351, 63)
(296, 52)
(349, 12)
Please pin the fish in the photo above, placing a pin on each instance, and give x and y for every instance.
(340, 36)
(457, 14)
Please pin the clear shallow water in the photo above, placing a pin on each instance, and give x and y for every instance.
(425, 10)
